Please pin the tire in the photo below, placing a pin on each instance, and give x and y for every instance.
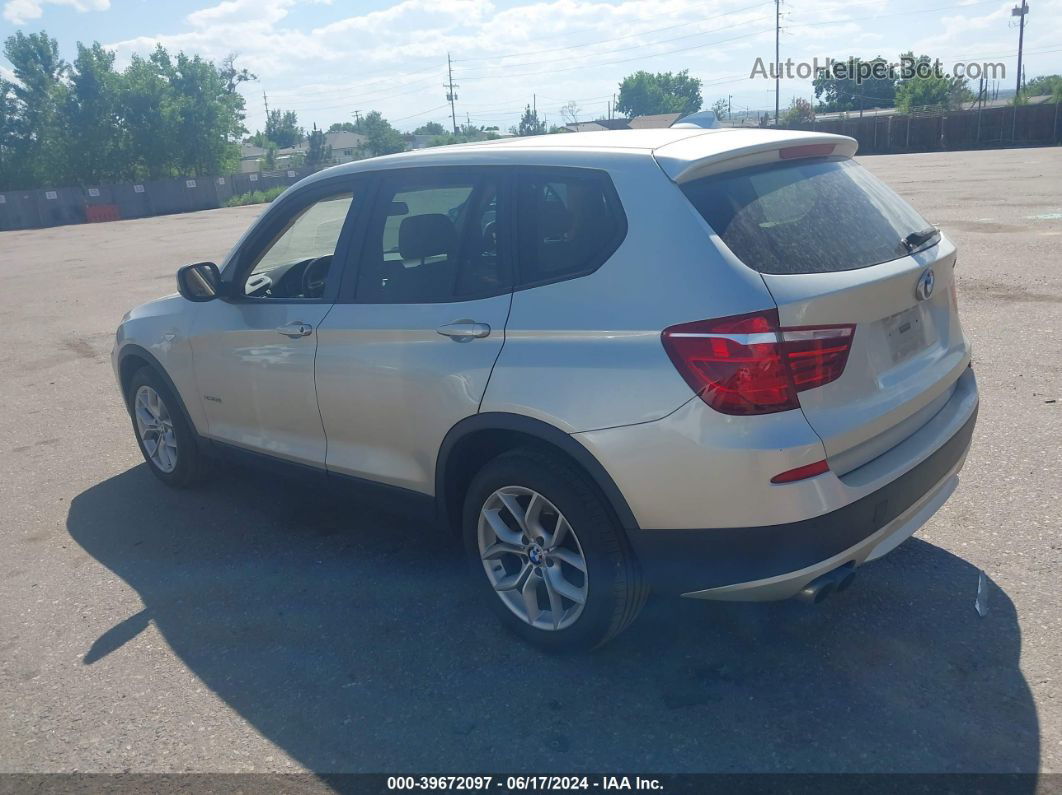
(612, 588)
(181, 463)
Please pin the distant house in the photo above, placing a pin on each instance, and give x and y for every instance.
(346, 146)
(251, 157)
(654, 121)
(586, 126)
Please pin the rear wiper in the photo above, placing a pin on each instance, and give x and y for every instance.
(916, 240)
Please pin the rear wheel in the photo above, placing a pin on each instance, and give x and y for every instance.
(164, 436)
(551, 560)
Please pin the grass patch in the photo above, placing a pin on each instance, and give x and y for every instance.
(255, 197)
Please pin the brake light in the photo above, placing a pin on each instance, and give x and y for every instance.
(748, 364)
(805, 150)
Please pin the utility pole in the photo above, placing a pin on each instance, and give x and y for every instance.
(729, 106)
(450, 95)
(1020, 12)
(777, 56)
(265, 101)
(357, 116)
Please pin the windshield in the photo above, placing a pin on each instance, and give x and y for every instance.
(808, 216)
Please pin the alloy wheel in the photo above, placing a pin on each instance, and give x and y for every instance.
(533, 558)
(155, 427)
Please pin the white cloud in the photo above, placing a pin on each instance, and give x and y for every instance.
(19, 12)
(394, 58)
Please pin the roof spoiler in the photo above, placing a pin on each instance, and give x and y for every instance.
(714, 152)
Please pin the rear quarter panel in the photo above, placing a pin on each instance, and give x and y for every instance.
(585, 353)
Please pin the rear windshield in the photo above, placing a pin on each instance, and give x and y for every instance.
(807, 216)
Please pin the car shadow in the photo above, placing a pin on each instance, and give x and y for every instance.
(353, 640)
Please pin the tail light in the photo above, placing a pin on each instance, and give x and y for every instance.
(749, 364)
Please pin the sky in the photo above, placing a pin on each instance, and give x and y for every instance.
(327, 59)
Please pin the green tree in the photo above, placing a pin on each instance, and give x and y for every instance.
(282, 128)
(935, 92)
(99, 143)
(88, 123)
(431, 128)
(232, 75)
(319, 152)
(207, 119)
(1045, 85)
(9, 140)
(799, 112)
(719, 108)
(644, 93)
(147, 110)
(529, 124)
(38, 100)
(842, 94)
(383, 139)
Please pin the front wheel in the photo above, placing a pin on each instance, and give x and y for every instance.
(164, 436)
(551, 560)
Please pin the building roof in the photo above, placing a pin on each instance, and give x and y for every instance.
(656, 121)
(653, 122)
(341, 139)
(586, 126)
(250, 150)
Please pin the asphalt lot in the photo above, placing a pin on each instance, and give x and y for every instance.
(260, 625)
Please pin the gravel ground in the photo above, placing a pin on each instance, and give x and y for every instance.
(256, 625)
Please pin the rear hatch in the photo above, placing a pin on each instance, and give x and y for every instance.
(839, 250)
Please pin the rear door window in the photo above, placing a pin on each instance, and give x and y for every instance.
(806, 216)
(434, 238)
(569, 223)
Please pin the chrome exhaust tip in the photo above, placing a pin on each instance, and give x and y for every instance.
(817, 590)
(825, 584)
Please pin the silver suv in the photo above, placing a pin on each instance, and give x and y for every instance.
(725, 364)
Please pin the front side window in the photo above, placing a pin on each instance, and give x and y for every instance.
(433, 239)
(297, 263)
(806, 216)
(569, 223)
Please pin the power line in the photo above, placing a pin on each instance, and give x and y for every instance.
(896, 14)
(622, 60)
(685, 24)
(422, 113)
(592, 55)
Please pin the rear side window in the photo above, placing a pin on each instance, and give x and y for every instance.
(433, 239)
(569, 223)
(807, 216)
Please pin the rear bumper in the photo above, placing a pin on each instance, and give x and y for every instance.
(776, 561)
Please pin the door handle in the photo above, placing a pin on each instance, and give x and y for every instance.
(296, 329)
(464, 330)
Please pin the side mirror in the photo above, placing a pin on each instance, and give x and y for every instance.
(199, 282)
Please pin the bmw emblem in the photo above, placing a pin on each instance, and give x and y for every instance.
(924, 287)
